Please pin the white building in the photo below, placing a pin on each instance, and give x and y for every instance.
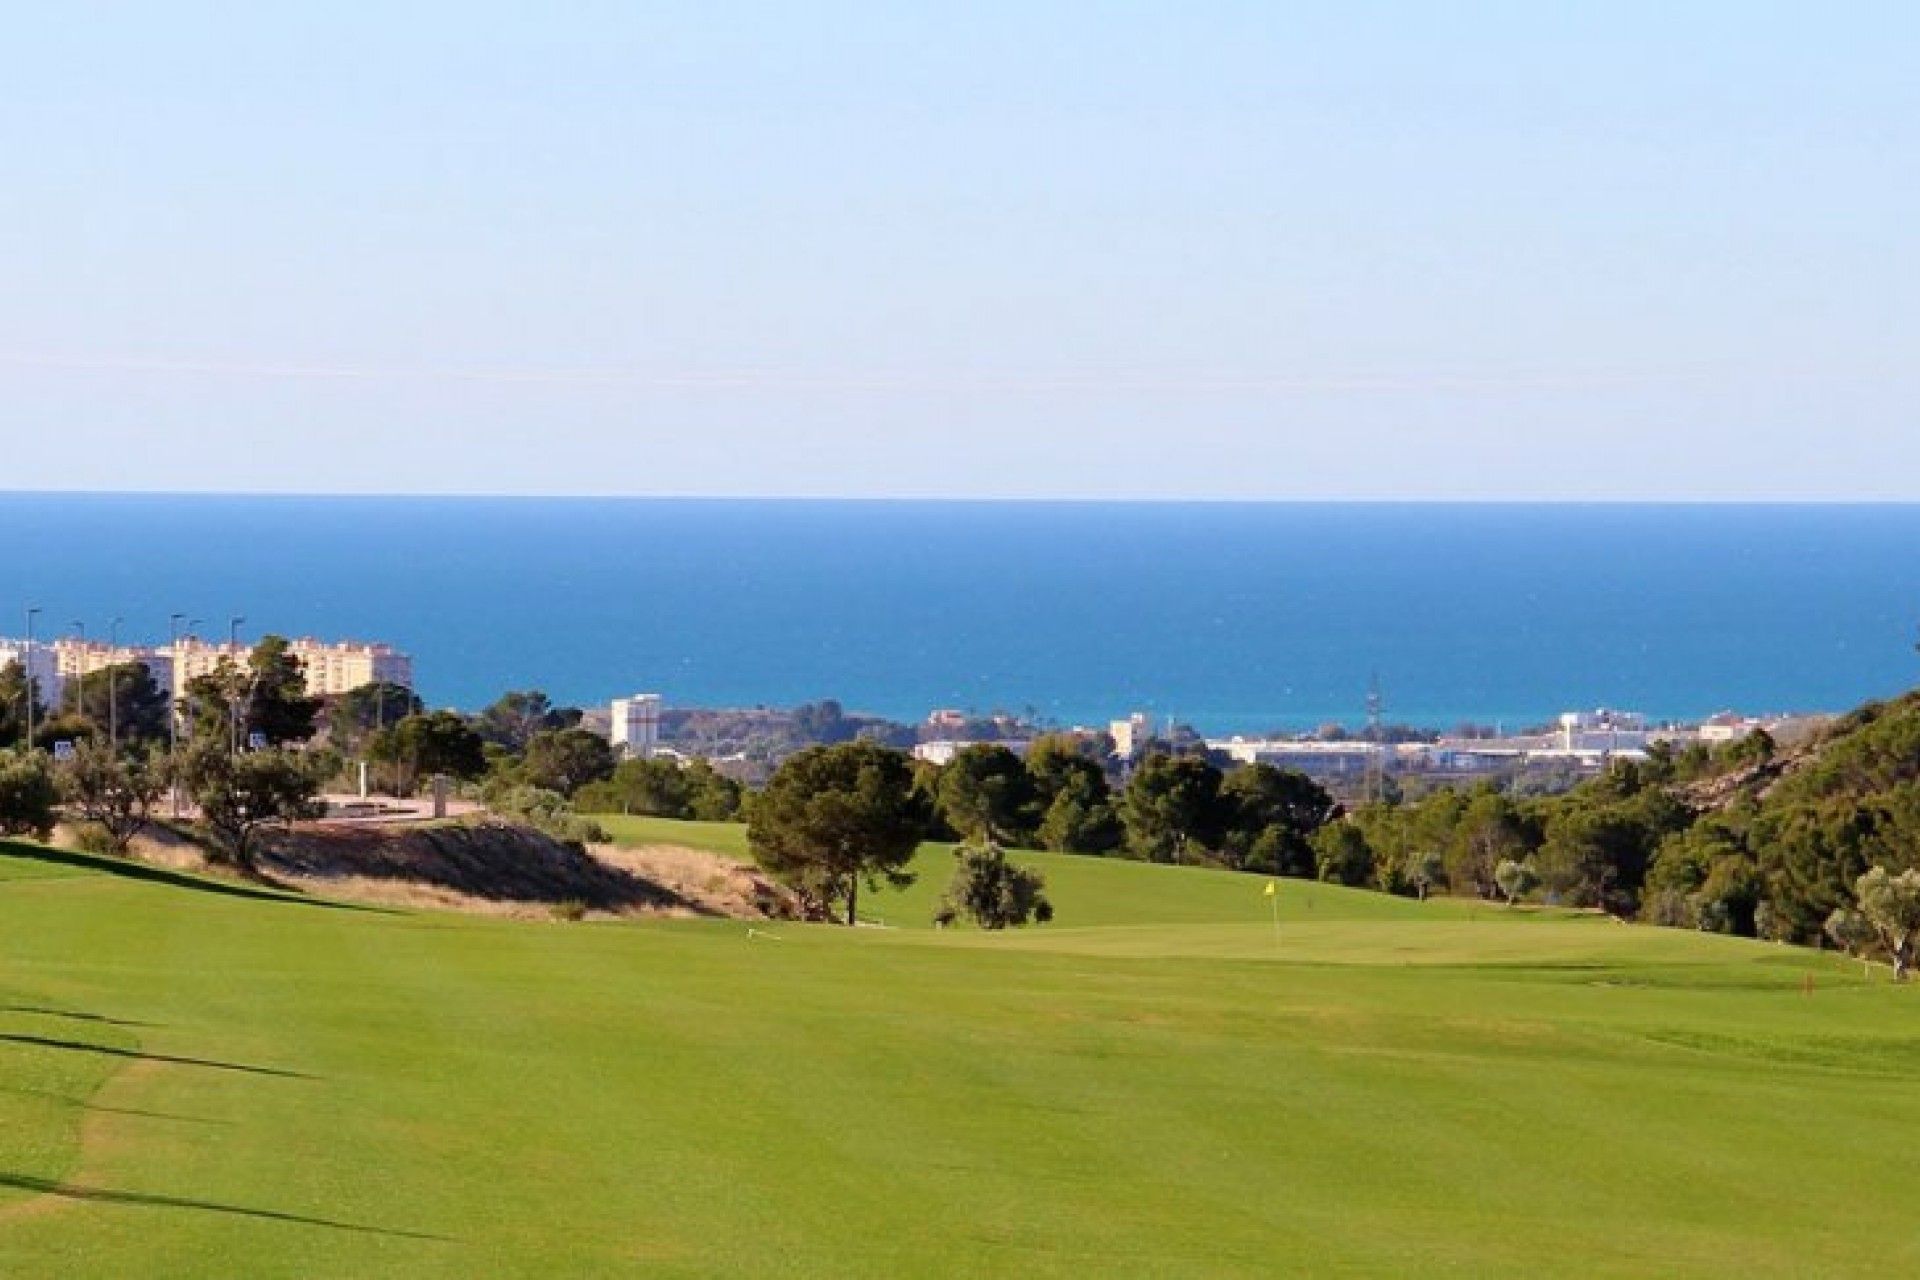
(1603, 730)
(78, 658)
(39, 662)
(329, 668)
(1726, 727)
(941, 751)
(635, 729)
(1130, 736)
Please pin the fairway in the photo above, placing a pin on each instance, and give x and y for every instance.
(200, 1079)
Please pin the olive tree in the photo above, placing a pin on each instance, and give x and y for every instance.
(241, 795)
(1425, 872)
(1514, 878)
(1891, 904)
(113, 791)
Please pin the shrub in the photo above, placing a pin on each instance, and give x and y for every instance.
(992, 892)
(91, 837)
(28, 794)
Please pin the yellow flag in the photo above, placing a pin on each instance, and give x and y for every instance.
(1272, 888)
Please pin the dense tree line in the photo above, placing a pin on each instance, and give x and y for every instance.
(1737, 840)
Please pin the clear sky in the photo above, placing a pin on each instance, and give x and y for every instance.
(1344, 249)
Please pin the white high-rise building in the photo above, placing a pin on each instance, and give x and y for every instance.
(40, 663)
(1130, 736)
(636, 725)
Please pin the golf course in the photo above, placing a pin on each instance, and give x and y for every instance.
(200, 1077)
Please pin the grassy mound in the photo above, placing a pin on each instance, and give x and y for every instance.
(204, 1079)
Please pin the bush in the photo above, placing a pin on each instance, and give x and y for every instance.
(91, 837)
(570, 910)
(547, 812)
(28, 794)
(1342, 854)
(992, 892)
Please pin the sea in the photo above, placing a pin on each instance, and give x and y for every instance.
(1230, 617)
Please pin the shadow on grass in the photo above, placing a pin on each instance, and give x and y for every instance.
(103, 1195)
(80, 1046)
(85, 1105)
(75, 1015)
(131, 870)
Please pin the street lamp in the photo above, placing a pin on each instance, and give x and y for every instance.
(113, 685)
(79, 671)
(33, 611)
(233, 699)
(173, 709)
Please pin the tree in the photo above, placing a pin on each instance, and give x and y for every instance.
(514, 718)
(1490, 831)
(565, 760)
(240, 795)
(657, 788)
(361, 712)
(711, 795)
(1170, 803)
(1270, 816)
(1077, 814)
(1426, 872)
(992, 892)
(277, 706)
(832, 818)
(123, 697)
(28, 794)
(16, 693)
(987, 794)
(1342, 855)
(114, 791)
(1891, 904)
(266, 696)
(1082, 819)
(1850, 932)
(426, 744)
(208, 702)
(64, 728)
(1514, 878)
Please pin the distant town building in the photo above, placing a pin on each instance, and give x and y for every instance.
(947, 718)
(330, 667)
(635, 727)
(77, 658)
(40, 664)
(1726, 727)
(1130, 736)
(1603, 730)
(941, 751)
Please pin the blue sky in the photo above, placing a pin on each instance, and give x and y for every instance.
(1263, 250)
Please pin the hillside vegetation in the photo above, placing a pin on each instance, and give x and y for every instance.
(202, 1078)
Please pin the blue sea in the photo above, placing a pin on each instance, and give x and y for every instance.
(1230, 617)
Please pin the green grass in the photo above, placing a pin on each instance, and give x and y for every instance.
(228, 1083)
(1085, 891)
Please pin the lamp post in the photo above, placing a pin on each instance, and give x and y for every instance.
(33, 611)
(79, 670)
(173, 710)
(113, 685)
(233, 699)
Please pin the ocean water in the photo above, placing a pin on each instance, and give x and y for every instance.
(1235, 618)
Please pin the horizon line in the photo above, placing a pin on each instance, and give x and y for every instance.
(491, 495)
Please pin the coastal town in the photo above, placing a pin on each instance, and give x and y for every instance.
(1574, 744)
